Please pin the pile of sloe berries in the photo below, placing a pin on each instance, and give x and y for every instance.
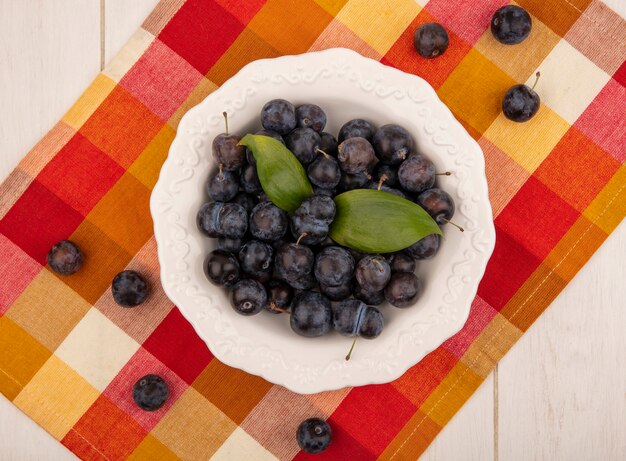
(283, 263)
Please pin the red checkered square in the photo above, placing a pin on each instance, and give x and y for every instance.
(104, 431)
(467, 18)
(244, 11)
(176, 344)
(38, 220)
(420, 380)
(120, 390)
(372, 404)
(403, 56)
(509, 267)
(577, 170)
(200, 32)
(121, 127)
(537, 217)
(161, 79)
(17, 269)
(480, 316)
(80, 174)
(604, 121)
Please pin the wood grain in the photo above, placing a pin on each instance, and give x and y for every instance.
(49, 53)
(121, 20)
(561, 391)
(562, 387)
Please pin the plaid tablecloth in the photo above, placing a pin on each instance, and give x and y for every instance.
(69, 356)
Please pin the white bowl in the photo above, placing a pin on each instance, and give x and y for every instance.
(346, 85)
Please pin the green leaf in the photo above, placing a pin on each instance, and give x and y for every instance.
(375, 221)
(281, 174)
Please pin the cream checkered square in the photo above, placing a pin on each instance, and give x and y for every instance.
(97, 349)
(241, 446)
(128, 56)
(569, 81)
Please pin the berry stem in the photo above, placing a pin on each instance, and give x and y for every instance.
(225, 121)
(351, 348)
(274, 307)
(221, 176)
(302, 235)
(322, 152)
(378, 263)
(382, 179)
(453, 223)
(445, 173)
(537, 75)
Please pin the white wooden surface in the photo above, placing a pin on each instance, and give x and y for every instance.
(560, 394)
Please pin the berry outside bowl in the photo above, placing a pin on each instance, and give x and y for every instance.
(346, 85)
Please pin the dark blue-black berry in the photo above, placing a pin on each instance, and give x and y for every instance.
(431, 40)
(310, 222)
(521, 102)
(357, 128)
(353, 317)
(416, 173)
(311, 314)
(222, 186)
(232, 221)
(318, 207)
(279, 116)
(326, 192)
(256, 258)
(388, 173)
(65, 258)
(511, 24)
(403, 289)
(334, 266)
(324, 172)
(372, 272)
(356, 155)
(401, 262)
(222, 268)
(311, 116)
(339, 292)
(129, 289)
(248, 297)
(438, 203)
(306, 282)
(279, 296)
(328, 143)
(249, 180)
(293, 262)
(226, 150)
(314, 435)
(304, 143)
(353, 181)
(226, 244)
(247, 201)
(372, 298)
(393, 144)
(150, 392)
(206, 219)
(424, 248)
(268, 222)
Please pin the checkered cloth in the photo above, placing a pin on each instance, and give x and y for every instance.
(69, 356)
